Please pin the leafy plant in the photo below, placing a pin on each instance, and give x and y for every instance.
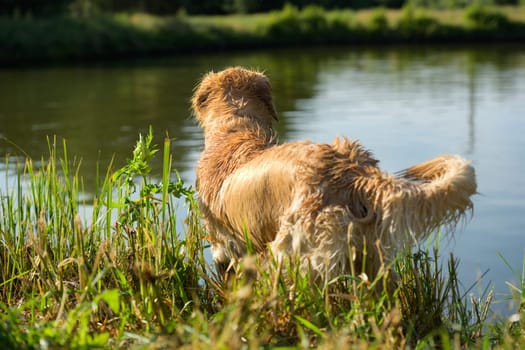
(483, 18)
(378, 21)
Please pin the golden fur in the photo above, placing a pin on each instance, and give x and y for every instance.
(308, 200)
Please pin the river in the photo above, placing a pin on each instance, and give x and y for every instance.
(406, 104)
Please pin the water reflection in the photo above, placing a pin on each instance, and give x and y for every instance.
(100, 110)
(406, 104)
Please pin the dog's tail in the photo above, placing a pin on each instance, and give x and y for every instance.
(419, 199)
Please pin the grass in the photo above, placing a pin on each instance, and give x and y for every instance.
(115, 36)
(128, 276)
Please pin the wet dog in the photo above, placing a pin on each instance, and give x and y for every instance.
(324, 204)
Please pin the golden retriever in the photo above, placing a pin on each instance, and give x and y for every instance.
(321, 203)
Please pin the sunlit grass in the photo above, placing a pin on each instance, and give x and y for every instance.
(446, 16)
(249, 22)
(128, 276)
(237, 22)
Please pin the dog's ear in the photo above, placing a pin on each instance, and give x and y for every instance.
(264, 91)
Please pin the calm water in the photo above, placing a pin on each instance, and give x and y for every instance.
(405, 104)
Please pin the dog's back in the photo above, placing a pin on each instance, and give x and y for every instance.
(306, 200)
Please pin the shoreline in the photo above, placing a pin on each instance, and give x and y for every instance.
(29, 41)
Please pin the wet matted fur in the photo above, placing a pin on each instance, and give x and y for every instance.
(308, 200)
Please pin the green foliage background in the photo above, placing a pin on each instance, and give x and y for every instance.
(39, 8)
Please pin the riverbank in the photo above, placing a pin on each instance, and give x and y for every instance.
(123, 36)
(127, 278)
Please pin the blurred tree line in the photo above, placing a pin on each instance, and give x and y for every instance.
(41, 8)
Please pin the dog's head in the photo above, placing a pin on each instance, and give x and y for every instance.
(234, 92)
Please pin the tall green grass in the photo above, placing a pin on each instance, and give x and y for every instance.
(126, 275)
(126, 266)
